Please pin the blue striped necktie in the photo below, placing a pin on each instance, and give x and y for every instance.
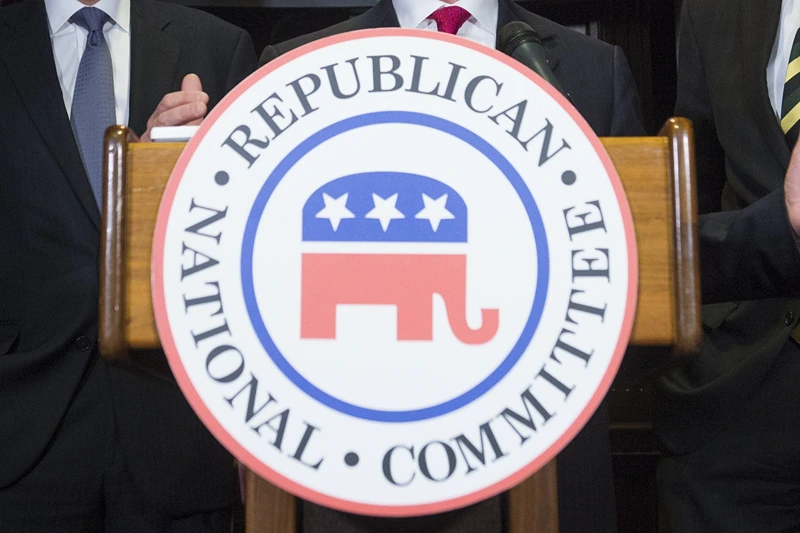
(93, 103)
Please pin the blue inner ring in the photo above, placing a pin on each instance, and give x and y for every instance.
(395, 117)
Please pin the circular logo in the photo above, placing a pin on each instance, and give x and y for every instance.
(394, 272)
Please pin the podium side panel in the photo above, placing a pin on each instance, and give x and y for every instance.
(643, 167)
(268, 509)
(150, 166)
(533, 504)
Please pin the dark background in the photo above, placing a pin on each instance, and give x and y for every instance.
(645, 30)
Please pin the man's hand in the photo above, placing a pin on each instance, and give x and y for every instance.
(184, 108)
(791, 187)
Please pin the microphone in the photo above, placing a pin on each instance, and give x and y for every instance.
(521, 42)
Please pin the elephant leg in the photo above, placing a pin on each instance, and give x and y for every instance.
(317, 299)
(415, 318)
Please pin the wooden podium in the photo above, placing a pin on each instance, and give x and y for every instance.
(658, 176)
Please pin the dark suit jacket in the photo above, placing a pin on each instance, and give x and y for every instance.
(49, 244)
(598, 79)
(750, 264)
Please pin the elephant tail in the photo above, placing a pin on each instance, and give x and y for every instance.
(490, 321)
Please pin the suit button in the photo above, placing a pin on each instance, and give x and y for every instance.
(789, 319)
(83, 343)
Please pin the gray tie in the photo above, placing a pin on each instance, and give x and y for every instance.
(93, 104)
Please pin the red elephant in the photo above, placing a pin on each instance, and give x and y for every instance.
(406, 281)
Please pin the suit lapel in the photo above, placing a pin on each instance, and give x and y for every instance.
(27, 52)
(382, 15)
(154, 61)
(758, 25)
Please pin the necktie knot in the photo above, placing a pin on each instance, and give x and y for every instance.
(92, 20)
(450, 19)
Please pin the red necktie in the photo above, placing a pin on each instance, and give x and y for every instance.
(450, 19)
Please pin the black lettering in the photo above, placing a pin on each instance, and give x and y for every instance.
(585, 225)
(218, 215)
(280, 431)
(509, 414)
(590, 271)
(213, 332)
(516, 118)
(378, 74)
(241, 148)
(251, 398)
(545, 155)
(554, 381)
(334, 80)
(298, 454)
(387, 466)
(416, 78)
(269, 116)
(302, 95)
(219, 351)
(480, 454)
(451, 83)
(451, 461)
(568, 348)
(196, 267)
(583, 308)
(212, 299)
(472, 86)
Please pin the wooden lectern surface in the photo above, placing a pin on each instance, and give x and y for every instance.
(648, 194)
(656, 172)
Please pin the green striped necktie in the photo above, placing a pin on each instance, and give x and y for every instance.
(790, 110)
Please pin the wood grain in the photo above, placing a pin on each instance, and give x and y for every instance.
(150, 165)
(688, 324)
(268, 509)
(533, 504)
(112, 320)
(642, 163)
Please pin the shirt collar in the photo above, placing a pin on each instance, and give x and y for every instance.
(60, 11)
(412, 13)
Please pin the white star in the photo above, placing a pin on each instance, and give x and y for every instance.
(385, 210)
(335, 210)
(435, 211)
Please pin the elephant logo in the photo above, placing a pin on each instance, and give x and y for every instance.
(382, 230)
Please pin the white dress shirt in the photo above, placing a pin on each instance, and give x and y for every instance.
(481, 27)
(69, 41)
(781, 50)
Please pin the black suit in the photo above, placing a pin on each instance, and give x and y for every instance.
(597, 77)
(49, 244)
(728, 419)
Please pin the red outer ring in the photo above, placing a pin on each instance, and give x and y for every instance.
(239, 451)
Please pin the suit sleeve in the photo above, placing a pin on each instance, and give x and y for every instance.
(626, 120)
(243, 61)
(745, 254)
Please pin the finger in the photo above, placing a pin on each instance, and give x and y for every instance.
(181, 115)
(177, 99)
(191, 82)
(195, 122)
(791, 188)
